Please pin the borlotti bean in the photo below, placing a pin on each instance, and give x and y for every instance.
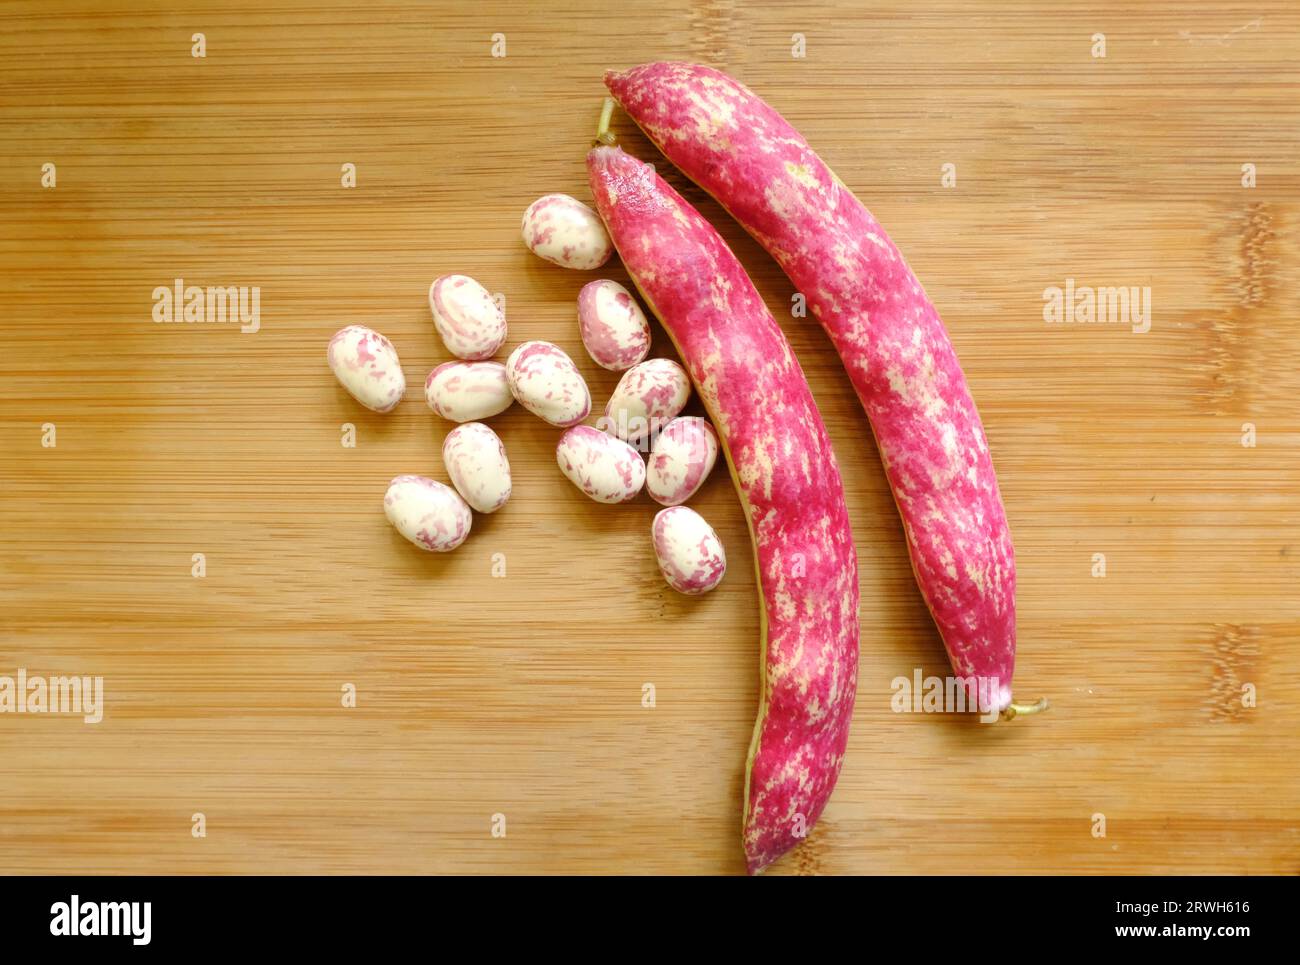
(606, 469)
(428, 513)
(646, 398)
(468, 318)
(566, 232)
(681, 459)
(789, 484)
(468, 391)
(477, 464)
(893, 343)
(546, 382)
(366, 364)
(614, 329)
(688, 550)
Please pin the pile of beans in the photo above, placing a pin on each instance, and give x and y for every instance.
(605, 461)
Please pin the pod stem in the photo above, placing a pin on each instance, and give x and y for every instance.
(1014, 710)
(603, 133)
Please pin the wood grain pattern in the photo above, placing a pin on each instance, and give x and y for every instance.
(522, 695)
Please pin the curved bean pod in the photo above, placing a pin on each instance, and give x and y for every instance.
(788, 481)
(894, 346)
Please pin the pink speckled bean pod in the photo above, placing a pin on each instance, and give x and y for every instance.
(467, 317)
(366, 364)
(789, 484)
(682, 458)
(468, 391)
(689, 552)
(476, 461)
(606, 469)
(889, 335)
(566, 232)
(431, 515)
(547, 383)
(614, 329)
(646, 399)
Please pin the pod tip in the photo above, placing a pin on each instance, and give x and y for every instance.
(1014, 710)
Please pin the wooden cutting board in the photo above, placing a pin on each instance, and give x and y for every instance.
(521, 694)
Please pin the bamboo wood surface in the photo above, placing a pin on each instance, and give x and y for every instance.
(522, 694)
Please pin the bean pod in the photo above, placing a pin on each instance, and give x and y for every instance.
(566, 232)
(614, 329)
(366, 364)
(468, 391)
(788, 481)
(895, 347)
(468, 318)
(428, 513)
(689, 552)
(476, 462)
(681, 459)
(606, 469)
(547, 383)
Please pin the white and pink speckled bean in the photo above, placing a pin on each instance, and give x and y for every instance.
(468, 391)
(614, 329)
(606, 469)
(428, 513)
(681, 459)
(547, 383)
(477, 464)
(646, 398)
(689, 552)
(366, 364)
(467, 317)
(566, 232)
